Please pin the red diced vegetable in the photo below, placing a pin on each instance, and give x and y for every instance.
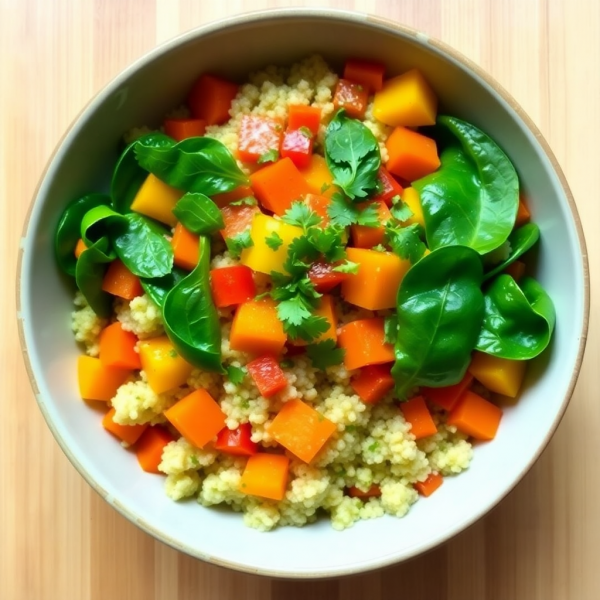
(181, 129)
(210, 99)
(150, 446)
(365, 72)
(232, 285)
(373, 492)
(432, 483)
(236, 441)
(324, 278)
(446, 397)
(267, 375)
(258, 136)
(373, 382)
(352, 97)
(297, 144)
(391, 187)
(416, 413)
(237, 219)
(319, 204)
(304, 116)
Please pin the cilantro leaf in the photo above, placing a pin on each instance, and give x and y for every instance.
(347, 267)
(390, 329)
(400, 210)
(286, 363)
(325, 354)
(343, 213)
(405, 241)
(329, 242)
(246, 201)
(237, 243)
(325, 187)
(235, 374)
(306, 132)
(308, 330)
(268, 156)
(379, 248)
(301, 215)
(274, 241)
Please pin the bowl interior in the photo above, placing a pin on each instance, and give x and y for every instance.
(84, 162)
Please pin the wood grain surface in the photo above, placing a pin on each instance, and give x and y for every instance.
(60, 541)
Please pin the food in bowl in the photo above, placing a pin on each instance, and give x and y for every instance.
(301, 295)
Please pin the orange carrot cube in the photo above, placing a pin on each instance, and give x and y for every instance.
(475, 416)
(265, 475)
(416, 413)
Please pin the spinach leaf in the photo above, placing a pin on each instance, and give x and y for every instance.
(472, 199)
(128, 176)
(191, 319)
(158, 288)
(199, 214)
(518, 322)
(198, 164)
(352, 155)
(96, 223)
(439, 315)
(520, 241)
(68, 230)
(89, 273)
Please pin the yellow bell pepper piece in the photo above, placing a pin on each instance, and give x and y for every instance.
(319, 177)
(157, 200)
(406, 100)
(500, 375)
(260, 256)
(410, 197)
(376, 284)
(163, 366)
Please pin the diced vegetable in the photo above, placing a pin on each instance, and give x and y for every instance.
(324, 278)
(120, 281)
(406, 100)
(500, 375)
(240, 192)
(475, 416)
(432, 483)
(300, 115)
(516, 270)
(79, 248)
(261, 256)
(391, 187)
(117, 348)
(256, 328)
(232, 285)
(411, 154)
(265, 475)
(258, 136)
(236, 441)
(210, 99)
(367, 73)
(318, 177)
(416, 413)
(367, 237)
(376, 284)
(410, 197)
(373, 492)
(156, 200)
(129, 434)
(325, 309)
(278, 185)
(319, 204)
(186, 248)
(97, 381)
(197, 417)
(352, 97)
(181, 129)
(301, 429)
(297, 145)
(237, 219)
(364, 343)
(446, 397)
(267, 375)
(373, 382)
(523, 214)
(164, 367)
(150, 446)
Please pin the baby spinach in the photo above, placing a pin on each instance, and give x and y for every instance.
(89, 273)
(68, 230)
(96, 224)
(158, 287)
(518, 321)
(191, 319)
(128, 176)
(199, 214)
(352, 155)
(439, 315)
(199, 164)
(472, 199)
(520, 241)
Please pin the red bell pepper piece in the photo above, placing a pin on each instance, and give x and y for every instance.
(181, 129)
(324, 278)
(297, 144)
(391, 187)
(373, 382)
(232, 285)
(237, 219)
(352, 97)
(365, 72)
(267, 375)
(301, 115)
(446, 397)
(257, 136)
(236, 441)
(210, 99)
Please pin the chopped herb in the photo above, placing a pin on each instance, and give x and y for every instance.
(237, 243)
(405, 241)
(301, 215)
(274, 241)
(286, 363)
(350, 428)
(325, 187)
(173, 353)
(246, 201)
(344, 213)
(194, 460)
(347, 267)
(235, 374)
(390, 329)
(379, 248)
(400, 210)
(306, 132)
(325, 354)
(373, 446)
(268, 156)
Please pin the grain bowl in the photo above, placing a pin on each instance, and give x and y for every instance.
(318, 43)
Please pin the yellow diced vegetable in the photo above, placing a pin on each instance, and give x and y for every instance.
(500, 375)
(256, 328)
(406, 100)
(410, 197)
(164, 367)
(318, 176)
(157, 200)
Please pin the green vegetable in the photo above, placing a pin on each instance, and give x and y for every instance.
(439, 311)
(158, 288)
(235, 374)
(238, 242)
(400, 210)
(274, 241)
(198, 164)
(96, 224)
(472, 199)
(286, 363)
(268, 156)
(68, 230)
(306, 132)
(246, 201)
(518, 322)
(199, 214)
(343, 213)
(301, 215)
(347, 267)
(191, 319)
(325, 354)
(520, 241)
(89, 274)
(405, 241)
(352, 155)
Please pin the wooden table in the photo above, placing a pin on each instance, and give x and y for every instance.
(61, 541)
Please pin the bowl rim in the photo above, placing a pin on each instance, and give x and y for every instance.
(351, 17)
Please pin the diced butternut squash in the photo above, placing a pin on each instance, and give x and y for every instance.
(182, 129)
(260, 256)
(164, 367)
(117, 348)
(324, 309)
(186, 248)
(129, 434)
(157, 200)
(242, 191)
(406, 100)
(373, 382)
(376, 284)
(150, 446)
(416, 413)
(301, 429)
(79, 248)
(256, 328)
(430, 485)
(364, 343)
(411, 155)
(500, 375)
(516, 270)
(446, 397)
(367, 237)
(265, 475)
(120, 281)
(411, 198)
(523, 214)
(97, 381)
(475, 416)
(318, 177)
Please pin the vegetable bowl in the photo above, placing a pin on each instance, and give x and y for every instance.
(312, 299)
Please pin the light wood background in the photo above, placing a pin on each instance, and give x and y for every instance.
(60, 541)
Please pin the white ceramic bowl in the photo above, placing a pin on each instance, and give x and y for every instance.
(83, 162)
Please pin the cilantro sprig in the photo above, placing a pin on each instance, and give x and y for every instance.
(406, 242)
(325, 354)
(344, 213)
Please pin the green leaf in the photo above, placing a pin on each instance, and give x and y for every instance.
(518, 321)
(472, 199)
(68, 230)
(96, 224)
(199, 164)
(343, 213)
(191, 319)
(89, 274)
(347, 267)
(405, 241)
(286, 363)
(325, 187)
(274, 241)
(301, 215)
(390, 329)
(400, 210)
(158, 288)
(352, 155)
(306, 132)
(199, 214)
(439, 311)
(308, 329)
(247, 201)
(238, 242)
(235, 374)
(268, 156)
(325, 354)
(520, 241)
